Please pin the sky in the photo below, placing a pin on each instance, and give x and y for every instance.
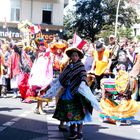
(4, 10)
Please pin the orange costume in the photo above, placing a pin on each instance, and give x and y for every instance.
(101, 60)
(57, 49)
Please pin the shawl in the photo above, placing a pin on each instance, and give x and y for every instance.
(73, 75)
(13, 64)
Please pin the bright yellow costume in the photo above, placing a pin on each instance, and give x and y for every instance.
(101, 61)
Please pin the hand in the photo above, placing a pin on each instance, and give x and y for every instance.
(91, 71)
(107, 71)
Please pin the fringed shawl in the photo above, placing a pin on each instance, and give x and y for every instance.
(72, 76)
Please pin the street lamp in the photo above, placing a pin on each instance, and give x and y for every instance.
(117, 12)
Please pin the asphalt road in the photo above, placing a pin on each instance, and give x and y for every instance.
(19, 122)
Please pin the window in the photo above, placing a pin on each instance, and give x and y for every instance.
(48, 6)
(15, 10)
(47, 13)
(46, 17)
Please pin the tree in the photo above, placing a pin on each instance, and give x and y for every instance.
(125, 32)
(91, 16)
(68, 20)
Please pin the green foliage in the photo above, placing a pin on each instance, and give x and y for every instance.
(68, 20)
(125, 32)
(92, 18)
(138, 37)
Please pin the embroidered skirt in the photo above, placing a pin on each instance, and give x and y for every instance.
(73, 109)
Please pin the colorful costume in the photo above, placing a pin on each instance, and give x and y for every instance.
(41, 73)
(101, 61)
(57, 48)
(14, 70)
(116, 102)
(25, 66)
(73, 104)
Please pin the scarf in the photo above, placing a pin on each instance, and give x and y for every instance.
(73, 75)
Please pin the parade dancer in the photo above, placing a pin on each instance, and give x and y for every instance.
(74, 104)
(57, 48)
(117, 103)
(41, 73)
(25, 64)
(14, 69)
(101, 64)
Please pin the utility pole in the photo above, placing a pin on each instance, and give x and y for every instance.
(116, 23)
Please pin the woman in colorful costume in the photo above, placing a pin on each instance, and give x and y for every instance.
(26, 63)
(73, 106)
(58, 48)
(14, 69)
(116, 102)
(41, 73)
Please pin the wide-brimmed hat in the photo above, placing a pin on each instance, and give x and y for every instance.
(70, 50)
(112, 36)
(99, 45)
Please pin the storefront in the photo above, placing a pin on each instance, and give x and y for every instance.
(14, 33)
(10, 32)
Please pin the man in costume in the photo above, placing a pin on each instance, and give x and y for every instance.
(101, 63)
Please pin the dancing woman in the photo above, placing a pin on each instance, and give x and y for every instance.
(73, 106)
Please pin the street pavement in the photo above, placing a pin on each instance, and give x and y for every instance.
(19, 122)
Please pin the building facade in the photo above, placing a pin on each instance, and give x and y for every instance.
(136, 5)
(46, 13)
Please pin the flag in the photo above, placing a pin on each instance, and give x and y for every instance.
(34, 29)
(78, 42)
(37, 29)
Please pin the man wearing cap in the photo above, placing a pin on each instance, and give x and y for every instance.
(101, 63)
(113, 47)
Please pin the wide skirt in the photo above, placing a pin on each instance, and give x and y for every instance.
(72, 109)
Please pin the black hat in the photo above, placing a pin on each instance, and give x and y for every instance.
(99, 45)
(70, 50)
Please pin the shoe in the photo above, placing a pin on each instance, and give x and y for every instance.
(15, 96)
(27, 100)
(36, 111)
(79, 137)
(4, 96)
(39, 112)
(42, 113)
(62, 129)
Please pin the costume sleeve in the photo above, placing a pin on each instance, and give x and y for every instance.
(86, 92)
(55, 88)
